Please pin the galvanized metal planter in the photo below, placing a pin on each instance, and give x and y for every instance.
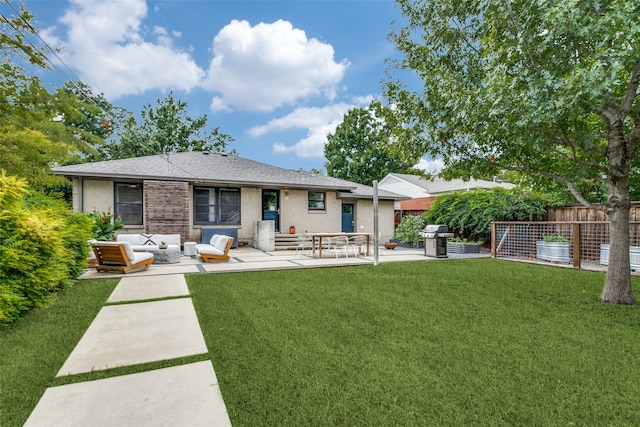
(553, 251)
(634, 256)
(460, 248)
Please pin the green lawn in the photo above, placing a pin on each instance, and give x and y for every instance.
(33, 348)
(473, 342)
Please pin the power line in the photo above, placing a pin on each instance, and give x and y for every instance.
(79, 89)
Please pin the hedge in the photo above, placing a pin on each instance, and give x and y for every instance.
(469, 214)
(42, 247)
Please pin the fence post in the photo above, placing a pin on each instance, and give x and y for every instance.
(493, 240)
(576, 246)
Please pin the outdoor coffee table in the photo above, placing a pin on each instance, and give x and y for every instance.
(165, 256)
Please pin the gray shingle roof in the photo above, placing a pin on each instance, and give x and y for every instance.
(216, 169)
(439, 185)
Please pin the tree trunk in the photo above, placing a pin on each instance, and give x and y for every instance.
(617, 289)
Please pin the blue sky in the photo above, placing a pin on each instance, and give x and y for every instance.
(276, 75)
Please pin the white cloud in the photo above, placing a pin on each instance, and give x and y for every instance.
(433, 166)
(319, 121)
(312, 145)
(269, 65)
(106, 43)
(304, 117)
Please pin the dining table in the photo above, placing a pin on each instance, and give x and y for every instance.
(317, 237)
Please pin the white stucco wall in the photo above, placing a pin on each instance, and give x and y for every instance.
(364, 218)
(97, 195)
(294, 210)
(250, 212)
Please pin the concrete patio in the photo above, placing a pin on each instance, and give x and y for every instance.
(250, 259)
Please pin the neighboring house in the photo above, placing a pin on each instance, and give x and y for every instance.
(423, 191)
(184, 193)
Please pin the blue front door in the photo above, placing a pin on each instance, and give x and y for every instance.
(271, 207)
(347, 218)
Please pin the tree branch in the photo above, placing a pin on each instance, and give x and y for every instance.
(632, 90)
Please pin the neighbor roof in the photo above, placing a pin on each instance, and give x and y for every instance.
(219, 169)
(437, 186)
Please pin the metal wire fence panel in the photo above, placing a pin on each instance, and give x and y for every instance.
(578, 244)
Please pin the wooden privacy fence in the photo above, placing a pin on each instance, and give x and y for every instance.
(585, 245)
(580, 213)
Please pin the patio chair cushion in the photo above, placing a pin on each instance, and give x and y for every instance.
(143, 242)
(129, 250)
(203, 248)
(216, 250)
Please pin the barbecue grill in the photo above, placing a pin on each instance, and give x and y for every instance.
(435, 240)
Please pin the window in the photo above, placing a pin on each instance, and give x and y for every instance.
(216, 205)
(128, 204)
(316, 201)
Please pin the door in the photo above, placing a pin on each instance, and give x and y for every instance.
(347, 218)
(271, 207)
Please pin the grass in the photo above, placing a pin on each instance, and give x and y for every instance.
(469, 342)
(473, 342)
(33, 348)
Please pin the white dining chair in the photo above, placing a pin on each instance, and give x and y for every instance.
(358, 245)
(337, 245)
(304, 244)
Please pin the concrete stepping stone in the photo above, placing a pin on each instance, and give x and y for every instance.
(186, 395)
(149, 287)
(130, 334)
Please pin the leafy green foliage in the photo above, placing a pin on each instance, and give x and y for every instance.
(410, 229)
(469, 214)
(42, 247)
(549, 89)
(104, 225)
(37, 128)
(503, 91)
(166, 128)
(553, 238)
(464, 241)
(363, 148)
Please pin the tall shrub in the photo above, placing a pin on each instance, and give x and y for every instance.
(42, 247)
(469, 214)
(410, 229)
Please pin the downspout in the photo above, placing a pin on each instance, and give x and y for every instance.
(80, 206)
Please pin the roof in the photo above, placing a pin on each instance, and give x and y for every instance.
(437, 186)
(219, 169)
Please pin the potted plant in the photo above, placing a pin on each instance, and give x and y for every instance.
(292, 229)
(553, 248)
(457, 245)
(163, 245)
(104, 225)
(390, 245)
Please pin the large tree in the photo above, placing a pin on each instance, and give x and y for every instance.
(546, 87)
(35, 130)
(363, 147)
(166, 128)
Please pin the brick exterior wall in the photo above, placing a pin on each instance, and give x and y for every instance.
(421, 204)
(166, 208)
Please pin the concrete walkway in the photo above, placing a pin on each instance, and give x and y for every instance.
(139, 325)
(134, 333)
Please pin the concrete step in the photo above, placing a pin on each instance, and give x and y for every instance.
(286, 241)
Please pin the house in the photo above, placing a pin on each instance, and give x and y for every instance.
(423, 191)
(186, 193)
